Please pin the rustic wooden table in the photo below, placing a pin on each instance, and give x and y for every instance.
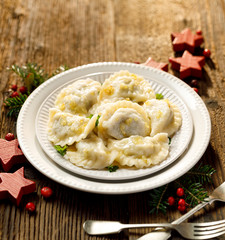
(58, 32)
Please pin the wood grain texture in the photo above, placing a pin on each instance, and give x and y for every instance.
(77, 32)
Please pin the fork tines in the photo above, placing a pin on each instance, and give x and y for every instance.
(209, 230)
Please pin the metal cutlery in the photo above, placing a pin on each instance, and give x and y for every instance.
(217, 195)
(196, 231)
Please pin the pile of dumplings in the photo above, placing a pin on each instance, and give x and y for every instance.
(117, 123)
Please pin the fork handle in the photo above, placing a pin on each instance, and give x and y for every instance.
(193, 211)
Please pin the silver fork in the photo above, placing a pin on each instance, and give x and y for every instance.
(217, 195)
(187, 230)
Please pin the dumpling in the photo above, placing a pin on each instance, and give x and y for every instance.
(65, 128)
(123, 119)
(165, 117)
(90, 153)
(128, 86)
(140, 152)
(78, 97)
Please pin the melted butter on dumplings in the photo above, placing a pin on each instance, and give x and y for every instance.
(120, 121)
(128, 86)
(165, 117)
(123, 119)
(78, 97)
(90, 153)
(65, 128)
(140, 151)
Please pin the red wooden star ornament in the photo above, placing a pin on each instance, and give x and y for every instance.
(10, 154)
(151, 63)
(14, 186)
(186, 40)
(188, 65)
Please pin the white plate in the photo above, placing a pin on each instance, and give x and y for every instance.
(178, 145)
(39, 159)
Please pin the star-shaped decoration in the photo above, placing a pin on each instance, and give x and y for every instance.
(151, 63)
(14, 186)
(10, 154)
(186, 40)
(188, 65)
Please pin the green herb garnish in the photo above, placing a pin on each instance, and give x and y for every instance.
(169, 140)
(90, 116)
(112, 168)
(159, 96)
(61, 150)
(97, 121)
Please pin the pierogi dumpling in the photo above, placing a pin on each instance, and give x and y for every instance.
(118, 122)
(66, 128)
(123, 119)
(140, 152)
(90, 153)
(165, 117)
(128, 86)
(78, 97)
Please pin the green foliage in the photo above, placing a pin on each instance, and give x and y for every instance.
(32, 76)
(192, 183)
(159, 96)
(158, 201)
(14, 104)
(97, 121)
(112, 168)
(61, 150)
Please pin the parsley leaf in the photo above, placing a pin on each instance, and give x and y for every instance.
(90, 116)
(112, 168)
(159, 96)
(97, 121)
(61, 150)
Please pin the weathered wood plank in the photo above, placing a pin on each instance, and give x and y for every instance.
(53, 33)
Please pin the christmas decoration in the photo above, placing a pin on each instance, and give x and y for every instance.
(30, 207)
(46, 192)
(14, 186)
(188, 65)
(186, 40)
(206, 53)
(10, 154)
(151, 63)
(193, 192)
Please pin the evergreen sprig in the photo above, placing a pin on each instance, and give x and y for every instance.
(202, 174)
(192, 183)
(158, 202)
(14, 104)
(32, 76)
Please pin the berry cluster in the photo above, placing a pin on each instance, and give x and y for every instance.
(15, 93)
(179, 201)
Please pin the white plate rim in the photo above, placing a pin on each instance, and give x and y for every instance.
(178, 145)
(35, 155)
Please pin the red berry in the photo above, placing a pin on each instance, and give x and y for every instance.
(46, 192)
(14, 87)
(15, 94)
(180, 192)
(195, 89)
(30, 207)
(9, 136)
(23, 89)
(194, 83)
(181, 208)
(137, 62)
(199, 32)
(181, 202)
(206, 53)
(171, 201)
